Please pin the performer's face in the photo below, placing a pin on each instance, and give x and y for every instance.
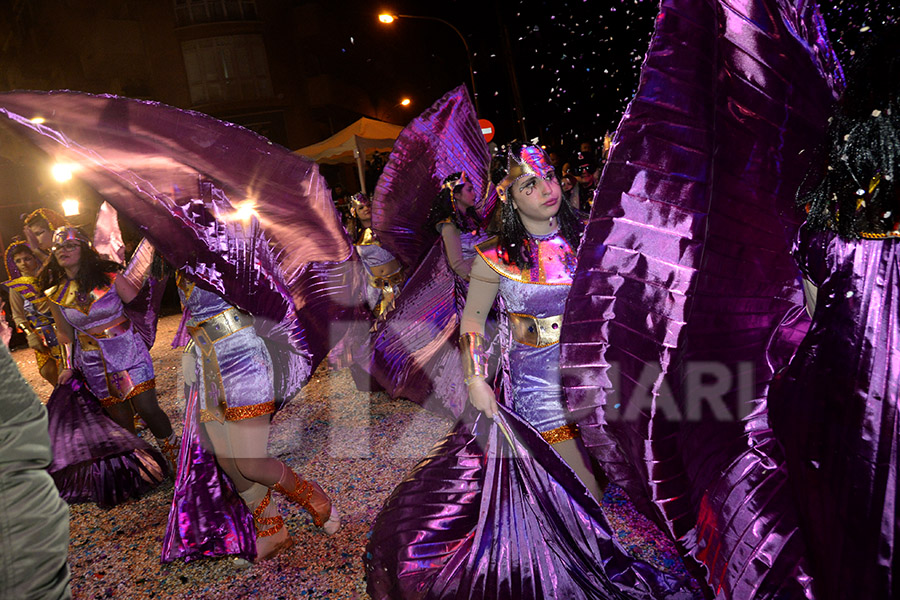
(68, 254)
(26, 263)
(465, 196)
(364, 212)
(536, 198)
(43, 234)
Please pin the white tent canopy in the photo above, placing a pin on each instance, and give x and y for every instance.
(353, 144)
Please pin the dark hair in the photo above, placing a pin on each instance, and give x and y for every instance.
(514, 240)
(20, 249)
(442, 209)
(853, 190)
(93, 271)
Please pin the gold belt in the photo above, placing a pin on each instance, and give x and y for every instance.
(535, 331)
(88, 341)
(222, 325)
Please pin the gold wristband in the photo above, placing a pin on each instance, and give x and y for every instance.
(65, 356)
(473, 350)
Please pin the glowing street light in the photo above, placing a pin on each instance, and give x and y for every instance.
(70, 207)
(38, 120)
(62, 172)
(405, 102)
(388, 18)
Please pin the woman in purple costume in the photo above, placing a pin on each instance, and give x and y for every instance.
(97, 458)
(233, 381)
(385, 272)
(87, 296)
(507, 505)
(835, 411)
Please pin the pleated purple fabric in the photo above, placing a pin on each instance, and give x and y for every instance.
(95, 460)
(414, 353)
(835, 412)
(443, 140)
(493, 513)
(240, 215)
(686, 299)
(207, 518)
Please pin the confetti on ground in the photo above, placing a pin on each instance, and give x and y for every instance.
(357, 445)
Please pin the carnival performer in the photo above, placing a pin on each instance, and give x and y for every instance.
(386, 274)
(508, 505)
(233, 385)
(87, 295)
(836, 410)
(415, 354)
(39, 227)
(30, 308)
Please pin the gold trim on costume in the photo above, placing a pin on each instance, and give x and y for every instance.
(367, 238)
(537, 332)
(66, 294)
(239, 413)
(561, 434)
(140, 388)
(554, 262)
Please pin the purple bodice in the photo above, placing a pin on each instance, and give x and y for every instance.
(104, 310)
(201, 303)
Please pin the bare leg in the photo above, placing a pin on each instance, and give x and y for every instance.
(221, 448)
(573, 452)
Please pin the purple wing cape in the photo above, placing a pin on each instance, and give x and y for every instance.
(686, 299)
(95, 460)
(444, 139)
(238, 214)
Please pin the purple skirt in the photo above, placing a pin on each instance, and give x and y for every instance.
(95, 460)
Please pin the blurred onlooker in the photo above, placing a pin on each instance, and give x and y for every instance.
(34, 520)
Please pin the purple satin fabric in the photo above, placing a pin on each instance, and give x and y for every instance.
(180, 176)
(95, 460)
(415, 352)
(443, 140)
(494, 513)
(207, 517)
(686, 263)
(835, 412)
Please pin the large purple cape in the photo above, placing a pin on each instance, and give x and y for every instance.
(95, 460)
(443, 140)
(685, 280)
(207, 518)
(415, 353)
(241, 216)
(482, 495)
(835, 412)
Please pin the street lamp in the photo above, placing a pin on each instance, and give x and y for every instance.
(388, 18)
(405, 102)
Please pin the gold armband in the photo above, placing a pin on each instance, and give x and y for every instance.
(138, 269)
(65, 356)
(473, 348)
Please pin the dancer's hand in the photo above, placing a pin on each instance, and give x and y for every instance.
(481, 396)
(64, 376)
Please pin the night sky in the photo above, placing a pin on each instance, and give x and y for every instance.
(577, 61)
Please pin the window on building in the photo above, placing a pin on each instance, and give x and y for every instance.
(193, 12)
(227, 68)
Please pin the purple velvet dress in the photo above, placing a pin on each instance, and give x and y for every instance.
(835, 412)
(494, 512)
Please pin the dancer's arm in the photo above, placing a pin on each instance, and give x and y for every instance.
(129, 283)
(65, 333)
(453, 250)
(483, 287)
(17, 308)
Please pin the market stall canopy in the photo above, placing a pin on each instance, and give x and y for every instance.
(353, 143)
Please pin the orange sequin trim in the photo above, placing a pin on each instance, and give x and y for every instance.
(248, 412)
(561, 434)
(141, 387)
